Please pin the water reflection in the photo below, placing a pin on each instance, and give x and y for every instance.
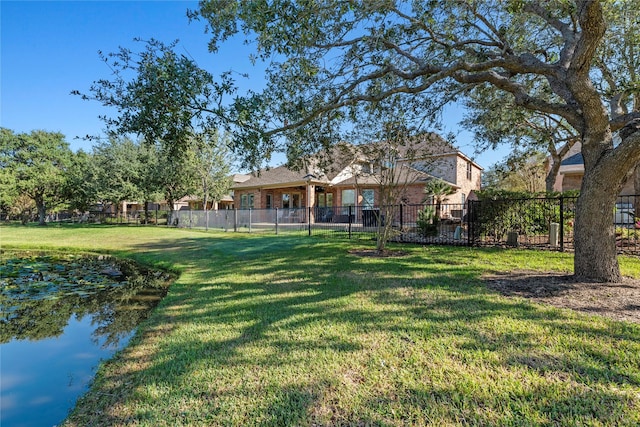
(59, 316)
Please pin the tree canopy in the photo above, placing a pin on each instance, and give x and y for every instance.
(160, 96)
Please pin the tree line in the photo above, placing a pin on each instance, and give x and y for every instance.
(39, 173)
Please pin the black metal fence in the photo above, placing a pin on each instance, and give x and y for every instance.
(533, 223)
(537, 223)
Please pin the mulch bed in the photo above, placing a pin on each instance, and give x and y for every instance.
(619, 301)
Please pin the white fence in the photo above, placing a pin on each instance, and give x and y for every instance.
(248, 220)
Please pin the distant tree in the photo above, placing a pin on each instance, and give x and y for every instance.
(520, 172)
(213, 164)
(82, 182)
(149, 177)
(39, 163)
(496, 120)
(8, 185)
(176, 174)
(117, 167)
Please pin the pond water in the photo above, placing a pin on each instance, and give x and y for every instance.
(59, 317)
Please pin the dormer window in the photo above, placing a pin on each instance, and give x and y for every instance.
(367, 168)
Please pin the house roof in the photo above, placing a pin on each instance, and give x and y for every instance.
(281, 176)
(576, 159)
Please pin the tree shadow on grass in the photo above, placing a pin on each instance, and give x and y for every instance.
(273, 331)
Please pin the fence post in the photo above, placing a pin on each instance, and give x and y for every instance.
(190, 218)
(470, 222)
(561, 223)
(349, 219)
(401, 218)
(276, 220)
(249, 220)
(309, 220)
(235, 220)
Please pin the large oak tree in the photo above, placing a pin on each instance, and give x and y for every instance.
(38, 163)
(328, 58)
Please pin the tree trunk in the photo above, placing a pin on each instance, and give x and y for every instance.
(146, 212)
(206, 211)
(42, 211)
(636, 190)
(595, 240)
(170, 219)
(550, 179)
(605, 170)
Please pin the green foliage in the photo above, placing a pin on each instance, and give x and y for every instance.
(117, 169)
(521, 171)
(165, 99)
(499, 212)
(82, 182)
(438, 189)
(213, 166)
(427, 222)
(35, 165)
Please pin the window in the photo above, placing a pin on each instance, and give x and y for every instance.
(348, 199)
(291, 200)
(368, 198)
(324, 200)
(246, 201)
(269, 201)
(469, 171)
(296, 200)
(464, 197)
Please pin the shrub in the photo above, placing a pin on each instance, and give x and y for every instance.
(427, 222)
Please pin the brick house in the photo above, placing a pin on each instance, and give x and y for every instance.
(350, 179)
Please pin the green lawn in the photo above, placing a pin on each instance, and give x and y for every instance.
(282, 330)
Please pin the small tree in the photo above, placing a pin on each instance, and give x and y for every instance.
(427, 222)
(398, 157)
(213, 164)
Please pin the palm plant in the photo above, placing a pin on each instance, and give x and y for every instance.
(439, 190)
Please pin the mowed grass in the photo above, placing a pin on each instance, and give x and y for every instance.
(282, 330)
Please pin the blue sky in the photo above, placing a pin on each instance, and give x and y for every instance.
(49, 48)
